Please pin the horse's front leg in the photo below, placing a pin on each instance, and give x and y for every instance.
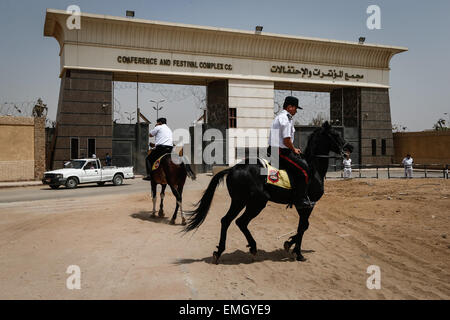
(153, 184)
(161, 205)
(303, 225)
(177, 195)
(289, 243)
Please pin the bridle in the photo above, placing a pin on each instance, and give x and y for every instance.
(333, 157)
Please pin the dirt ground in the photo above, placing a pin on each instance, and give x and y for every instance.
(401, 226)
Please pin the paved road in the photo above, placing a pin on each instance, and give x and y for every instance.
(42, 192)
(138, 185)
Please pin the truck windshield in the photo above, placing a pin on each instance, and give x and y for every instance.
(75, 164)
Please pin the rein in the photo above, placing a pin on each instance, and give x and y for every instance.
(327, 156)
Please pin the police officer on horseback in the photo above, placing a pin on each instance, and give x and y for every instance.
(282, 137)
(163, 144)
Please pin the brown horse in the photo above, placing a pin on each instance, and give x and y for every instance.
(172, 171)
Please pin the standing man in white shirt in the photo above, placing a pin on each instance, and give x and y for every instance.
(163, 144)
(282, 137)
(408, 164)
(347, 162)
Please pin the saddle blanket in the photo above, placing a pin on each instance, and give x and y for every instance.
(275, 176)
(158, 161)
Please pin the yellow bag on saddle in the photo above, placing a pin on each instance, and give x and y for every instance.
(276, 177)
(158, 161)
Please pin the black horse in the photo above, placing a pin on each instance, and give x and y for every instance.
(248, 188)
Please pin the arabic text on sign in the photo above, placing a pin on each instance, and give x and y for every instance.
(305, 72)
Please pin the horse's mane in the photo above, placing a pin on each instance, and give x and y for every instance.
(312, 141)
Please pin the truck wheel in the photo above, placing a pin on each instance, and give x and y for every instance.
(54, 186)
(101, 183)
(117, 180)
(71, 183)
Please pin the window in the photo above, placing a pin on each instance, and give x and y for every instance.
(91, 147)
(74, 148)
(91, 165)
(231, 117)
(374, 147)
(383, 147)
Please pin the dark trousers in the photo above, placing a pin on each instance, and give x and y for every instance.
(155, 154)
(296, 168)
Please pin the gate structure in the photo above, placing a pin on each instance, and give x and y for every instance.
(240, 69)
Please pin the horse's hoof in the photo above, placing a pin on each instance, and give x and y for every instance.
(286, 246)
(300, 258)
(161, 213)
(153, 213)
(172, 222)
(215, 257)
(253, 251)
(183, 222)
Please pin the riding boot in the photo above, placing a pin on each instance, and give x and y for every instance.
(148, 168)
(300, 197)
(304, 201)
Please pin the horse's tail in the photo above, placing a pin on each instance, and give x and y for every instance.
(185, 161)
(202, 207)
(189, 171)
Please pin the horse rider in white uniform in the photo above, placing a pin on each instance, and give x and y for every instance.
(163, 142)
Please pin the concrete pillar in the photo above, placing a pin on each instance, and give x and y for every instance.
(365, 115)
(84, 111)
(215, 131)
(39, 148)
(376, 124)
(252, 103)
(344, 115)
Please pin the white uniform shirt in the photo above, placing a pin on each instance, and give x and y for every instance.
(163, 135)
(282, 127)
(407, 162)
(347, 163)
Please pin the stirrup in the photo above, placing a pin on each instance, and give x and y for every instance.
(147, 178)
(306, 203)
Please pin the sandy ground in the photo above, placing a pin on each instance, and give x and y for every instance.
(401, 226)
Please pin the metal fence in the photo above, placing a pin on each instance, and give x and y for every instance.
(392, 171)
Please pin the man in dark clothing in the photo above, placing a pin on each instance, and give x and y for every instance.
(108, 159)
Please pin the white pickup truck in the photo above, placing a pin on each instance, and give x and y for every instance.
(86, 171)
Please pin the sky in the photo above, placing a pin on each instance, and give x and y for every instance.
(419, 78)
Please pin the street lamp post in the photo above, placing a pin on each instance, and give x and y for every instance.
(157, 108)
(129, 115)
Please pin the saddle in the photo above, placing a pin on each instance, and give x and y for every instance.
(276, 177)
(158, 161)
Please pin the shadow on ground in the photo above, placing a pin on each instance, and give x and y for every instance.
(240, 257)
(147, 216)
